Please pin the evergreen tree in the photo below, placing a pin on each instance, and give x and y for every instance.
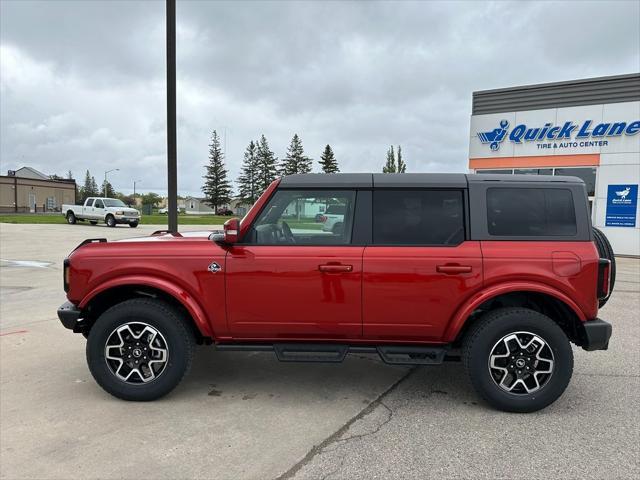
(94, 188)
(107, 190)
(267, 165)
(390, 166)
(216, 189)
(328, 162)
(296, 161)
(248, 179)
(402, 167)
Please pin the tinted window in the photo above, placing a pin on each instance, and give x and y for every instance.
(418, 217)
(292, 218)
(530, 212)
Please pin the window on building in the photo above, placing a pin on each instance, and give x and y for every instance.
(530, 212)
(502, 172)
(418, 217)
(588, 175)
(533, 171)
(51, 203)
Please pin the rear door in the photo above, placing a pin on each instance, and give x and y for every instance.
(291, 279)
(420, 267)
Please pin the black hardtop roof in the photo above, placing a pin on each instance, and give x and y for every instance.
(409, 180)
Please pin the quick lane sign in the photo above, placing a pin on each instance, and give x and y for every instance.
(622, 205)
(567, 135)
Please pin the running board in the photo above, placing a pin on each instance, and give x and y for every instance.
(336, 353)
(411, 355)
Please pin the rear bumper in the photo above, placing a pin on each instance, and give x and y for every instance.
(595, 334)
(69, 315)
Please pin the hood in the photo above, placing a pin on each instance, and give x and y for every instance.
(164, 236)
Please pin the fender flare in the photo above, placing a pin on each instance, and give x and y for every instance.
(463, 313)
(178, 293)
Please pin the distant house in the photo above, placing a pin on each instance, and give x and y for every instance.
(27, 190)
(197, 206)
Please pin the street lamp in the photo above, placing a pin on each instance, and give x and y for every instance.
(104, 186)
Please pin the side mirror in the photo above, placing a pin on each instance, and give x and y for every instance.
(230, 236)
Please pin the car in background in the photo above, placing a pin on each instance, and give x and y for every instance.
(333, 218)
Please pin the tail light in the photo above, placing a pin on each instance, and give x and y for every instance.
(604, 278)
(66, 274)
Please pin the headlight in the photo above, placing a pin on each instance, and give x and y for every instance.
(119, 212)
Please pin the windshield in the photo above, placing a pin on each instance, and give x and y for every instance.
(113, 202)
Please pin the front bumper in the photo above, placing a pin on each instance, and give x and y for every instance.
(127, 219)
(595, 334)
(69, 316)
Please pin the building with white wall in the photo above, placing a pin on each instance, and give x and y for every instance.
(586, 128)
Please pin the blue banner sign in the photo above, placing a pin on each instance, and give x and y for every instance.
(622, 205)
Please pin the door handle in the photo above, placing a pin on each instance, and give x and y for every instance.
(453, 269)
(332, 268)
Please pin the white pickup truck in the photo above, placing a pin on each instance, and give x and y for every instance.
(99, 209)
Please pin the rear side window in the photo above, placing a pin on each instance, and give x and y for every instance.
(90, 203)
(418, 217)
(530, 212)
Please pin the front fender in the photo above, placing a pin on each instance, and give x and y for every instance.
(177, 292)
(463, 313)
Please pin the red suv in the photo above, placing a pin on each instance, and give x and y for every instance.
(501, 271)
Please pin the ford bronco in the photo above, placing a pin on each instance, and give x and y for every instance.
(503, 272)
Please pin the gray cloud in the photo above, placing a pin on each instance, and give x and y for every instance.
(82, 83)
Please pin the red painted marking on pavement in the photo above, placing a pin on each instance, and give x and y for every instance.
(11, 333)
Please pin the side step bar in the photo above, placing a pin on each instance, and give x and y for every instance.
(336, 353)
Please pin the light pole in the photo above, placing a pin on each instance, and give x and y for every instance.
(172, 154)
(104, 186)
(134, 189)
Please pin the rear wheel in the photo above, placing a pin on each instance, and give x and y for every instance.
(605, 251)
(71, 218)
(140, 349)
(517, 359)
(111, 221)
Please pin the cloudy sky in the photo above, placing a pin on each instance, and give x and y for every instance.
(82, 83)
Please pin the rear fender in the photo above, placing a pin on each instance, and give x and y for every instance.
(177, 292)
(474, 302)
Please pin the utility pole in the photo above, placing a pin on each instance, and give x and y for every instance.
(172, 152)
(104, 185)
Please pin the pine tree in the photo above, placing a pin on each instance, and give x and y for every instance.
(216, 189)
(328, 162)
(89, 189)
(296, 161)
(402, 167)
(267, 165)
(94, 188)
(390, 166)
(107, 190)
(248, 179)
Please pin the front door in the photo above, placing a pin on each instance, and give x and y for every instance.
(32, 202)
(291, 278)
(98, 210)
(420, 268)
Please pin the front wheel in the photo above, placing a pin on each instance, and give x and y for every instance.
(133, 224)
(139, 349)
(111, 221)
(517, 359)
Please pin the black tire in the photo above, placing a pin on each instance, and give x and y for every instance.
(605, 251)
(133, 224)
(110, 221)
(174, 332)
(337, 229)
(485, 335)
(71, 218)
(93, 222)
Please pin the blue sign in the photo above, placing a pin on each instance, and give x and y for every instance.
(567, 135)
(622, 204)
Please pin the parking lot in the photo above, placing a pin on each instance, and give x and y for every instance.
(244, 415)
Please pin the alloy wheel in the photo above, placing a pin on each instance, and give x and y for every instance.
(521, 363)
(136, 353)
